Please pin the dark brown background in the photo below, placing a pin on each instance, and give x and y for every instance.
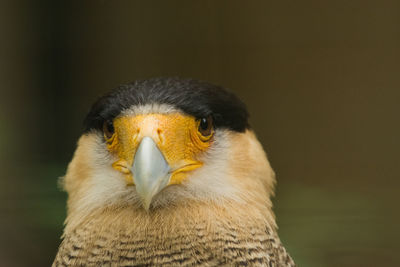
(321, 80)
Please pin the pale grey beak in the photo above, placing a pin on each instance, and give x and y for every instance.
(151, 172)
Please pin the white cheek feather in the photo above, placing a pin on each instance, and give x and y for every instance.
(213, 181)
(103, 185)
(108, 187)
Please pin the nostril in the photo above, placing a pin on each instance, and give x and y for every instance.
(159, 133)
(136, 134)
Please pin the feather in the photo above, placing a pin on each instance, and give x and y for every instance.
(221, 214)
(186, 235)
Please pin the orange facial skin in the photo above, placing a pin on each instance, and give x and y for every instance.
(176, 135)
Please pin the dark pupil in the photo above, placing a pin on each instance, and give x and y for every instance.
(110, 127)
(204, 124)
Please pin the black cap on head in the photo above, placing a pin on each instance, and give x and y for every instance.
(197, 98)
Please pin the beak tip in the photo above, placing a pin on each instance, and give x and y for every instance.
(146, 204)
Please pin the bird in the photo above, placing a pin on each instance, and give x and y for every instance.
(169, 172)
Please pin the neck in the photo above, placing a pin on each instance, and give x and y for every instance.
(176, 218)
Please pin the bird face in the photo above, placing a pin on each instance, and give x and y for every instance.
(165, 142)
(157, 150)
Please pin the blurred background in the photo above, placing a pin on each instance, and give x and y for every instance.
(320, 78)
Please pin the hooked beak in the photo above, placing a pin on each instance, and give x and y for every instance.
(151, 172)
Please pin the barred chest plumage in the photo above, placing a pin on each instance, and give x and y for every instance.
(105, 239)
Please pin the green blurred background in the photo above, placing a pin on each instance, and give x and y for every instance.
(321, 80)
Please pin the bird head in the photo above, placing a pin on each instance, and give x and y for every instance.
(165, 141)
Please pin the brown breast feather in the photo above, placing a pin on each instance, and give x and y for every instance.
(114, 237)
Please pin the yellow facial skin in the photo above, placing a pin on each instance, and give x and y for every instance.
(175, 134)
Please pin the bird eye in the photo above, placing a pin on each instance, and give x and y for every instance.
(205, 126)
(108, 129)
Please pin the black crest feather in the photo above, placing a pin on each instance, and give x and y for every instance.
(196, 98)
